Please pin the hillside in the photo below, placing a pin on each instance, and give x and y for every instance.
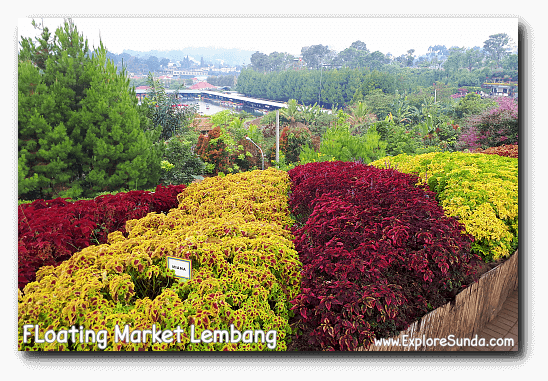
(210, 54)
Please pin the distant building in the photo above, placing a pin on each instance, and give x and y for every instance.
(165, 79)
(203, 86)
(189, 72)
(202, 125)
(141, 92)
(501, 89)
(227, 69)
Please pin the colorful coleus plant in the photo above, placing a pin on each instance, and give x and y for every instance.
(480, 190)
(378, 252)
(508, 150)
(245, 270)
(50, 231)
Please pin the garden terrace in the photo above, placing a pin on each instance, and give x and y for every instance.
(378, 252)
(245, 271)
(50, 231)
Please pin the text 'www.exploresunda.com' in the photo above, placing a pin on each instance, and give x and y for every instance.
(449, 341)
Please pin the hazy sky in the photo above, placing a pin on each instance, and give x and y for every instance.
(284, 34)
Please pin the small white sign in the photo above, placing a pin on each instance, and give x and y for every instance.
(182, 267)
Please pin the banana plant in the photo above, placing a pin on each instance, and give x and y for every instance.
(291, 111)
(402, 110)
(358, 117)
(429, 127)
(310, 113)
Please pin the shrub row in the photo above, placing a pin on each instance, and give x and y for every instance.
(508, 150)
(480, 190)
(245, 271)
(377, 253)
(50, 231)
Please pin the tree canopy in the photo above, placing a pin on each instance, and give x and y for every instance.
(80, 131)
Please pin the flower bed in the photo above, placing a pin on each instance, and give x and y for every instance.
(462, 318)
(377, 253)
(50, 231)
(480, 190)
(245, 271)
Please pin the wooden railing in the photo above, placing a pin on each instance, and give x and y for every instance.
(464, 317)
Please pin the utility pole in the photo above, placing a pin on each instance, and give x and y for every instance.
(277, 136)
(320, 94)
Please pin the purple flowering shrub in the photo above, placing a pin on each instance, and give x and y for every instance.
(493, 127)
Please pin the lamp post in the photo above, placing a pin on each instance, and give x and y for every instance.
(278, 137)
(262, 156)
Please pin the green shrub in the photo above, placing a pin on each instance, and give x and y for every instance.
(184, 166)
(338, 143)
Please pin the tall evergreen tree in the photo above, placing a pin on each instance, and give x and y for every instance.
(496, 47)
(79, 129)
(117, 152)
(44, 146)
(51, 85)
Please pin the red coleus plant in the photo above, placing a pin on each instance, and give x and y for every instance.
(377, 253)
(508, 150)
(49, 232)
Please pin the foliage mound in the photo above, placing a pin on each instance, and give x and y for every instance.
(508, 150)
(245, 271)
(494, 127)
(50, 231)
(480, 190)
(377, 253)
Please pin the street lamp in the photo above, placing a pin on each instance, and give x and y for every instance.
(262, 156)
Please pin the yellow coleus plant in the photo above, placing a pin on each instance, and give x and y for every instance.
(245, 270)
(480, 190)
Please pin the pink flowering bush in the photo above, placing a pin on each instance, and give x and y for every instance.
(461, 93)
(493, 127)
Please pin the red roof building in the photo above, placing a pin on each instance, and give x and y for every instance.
(202, 86)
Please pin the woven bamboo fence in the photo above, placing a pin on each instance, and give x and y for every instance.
(464, 317)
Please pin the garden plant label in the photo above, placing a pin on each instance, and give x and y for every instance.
(182, 267)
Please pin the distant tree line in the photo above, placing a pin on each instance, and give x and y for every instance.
(495, 53)
(138, 65)
(334, 79)
(222, 80)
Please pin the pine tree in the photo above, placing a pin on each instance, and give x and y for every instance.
(44, 144)
(117, 152)
(51, 84)
(79, 127)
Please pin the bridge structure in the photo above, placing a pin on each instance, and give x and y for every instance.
(255, 103)
(234, 98)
